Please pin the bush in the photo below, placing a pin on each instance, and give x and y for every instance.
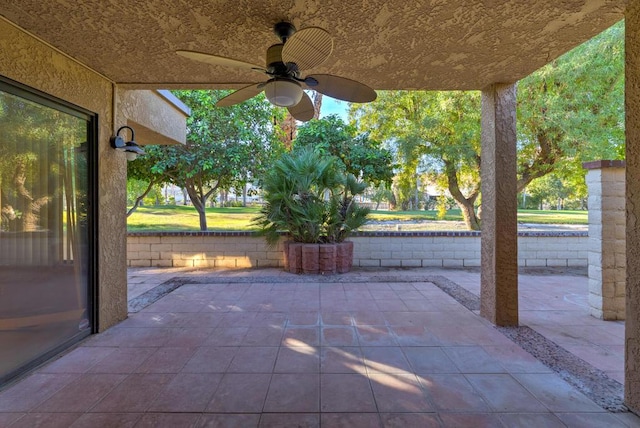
(309, 196)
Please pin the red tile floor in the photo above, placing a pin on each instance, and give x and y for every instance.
(246, 352)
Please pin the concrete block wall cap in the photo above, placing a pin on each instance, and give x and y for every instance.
(435, 233)
(599, 164)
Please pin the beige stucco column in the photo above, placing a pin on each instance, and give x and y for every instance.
(499, 243)
(605, 182)
(632, 123)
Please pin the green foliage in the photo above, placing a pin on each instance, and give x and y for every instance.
(381, 193)
(434, 132)
(137, 187)
(441, 208)
(572, 111)
(362, 156)
(308, 195)
(569, 112)
(344, 214)
(225, 147)
(554, 192)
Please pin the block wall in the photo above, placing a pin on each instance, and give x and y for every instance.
(607, 240)
(238, 250)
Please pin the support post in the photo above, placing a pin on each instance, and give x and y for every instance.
(499, 242)
(632, 193)
(607, 265)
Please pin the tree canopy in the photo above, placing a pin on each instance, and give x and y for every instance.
(361, 155)
(225, 147)
(437, 132)
(569, 111)
(572, 111)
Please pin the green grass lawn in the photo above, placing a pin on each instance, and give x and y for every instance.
(553, 217)
(181, 218)
(185, 218)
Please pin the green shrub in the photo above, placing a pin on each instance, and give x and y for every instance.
(308, 195)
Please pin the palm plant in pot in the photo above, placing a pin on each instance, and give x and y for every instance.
(310, 198)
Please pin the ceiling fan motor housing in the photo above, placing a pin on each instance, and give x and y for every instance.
(276, 67)
(284, 30)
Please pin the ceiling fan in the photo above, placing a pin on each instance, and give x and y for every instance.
(298, 50)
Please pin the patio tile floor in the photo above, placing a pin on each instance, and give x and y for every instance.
(294, 352)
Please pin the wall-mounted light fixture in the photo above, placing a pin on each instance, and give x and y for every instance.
(131, 148)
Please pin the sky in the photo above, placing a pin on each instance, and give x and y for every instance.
(333, 106)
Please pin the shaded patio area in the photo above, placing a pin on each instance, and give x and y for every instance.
(366, 349)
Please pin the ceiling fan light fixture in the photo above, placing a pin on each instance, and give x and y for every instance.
(283, 92)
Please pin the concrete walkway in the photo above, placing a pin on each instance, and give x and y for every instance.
(366, 349)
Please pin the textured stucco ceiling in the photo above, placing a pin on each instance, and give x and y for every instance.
(437, 44)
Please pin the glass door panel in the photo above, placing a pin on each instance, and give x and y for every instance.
(44, 229)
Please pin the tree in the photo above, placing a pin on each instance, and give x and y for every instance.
(572, 110)
(225, 147)
(549, 190)
(437, 131)
(380, 193)
(142, 176)
(362, 156)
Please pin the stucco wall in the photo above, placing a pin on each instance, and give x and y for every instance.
(394, 249)
(154, 120)
(632, 206)
(30, 62)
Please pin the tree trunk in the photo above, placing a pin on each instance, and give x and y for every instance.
(289, 129)
(203, 219)
(199, 203)
(465, 203)
(547, 155)
(393, 202)
(317, 104)
(469, 215)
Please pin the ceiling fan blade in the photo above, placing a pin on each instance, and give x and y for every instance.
(240, 95)
(308, 48)
(303, 111)
(342, 88)
(218, 60)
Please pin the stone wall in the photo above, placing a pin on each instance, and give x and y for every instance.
(376, 249)
(607, 243)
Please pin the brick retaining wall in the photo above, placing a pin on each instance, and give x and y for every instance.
(372, 249)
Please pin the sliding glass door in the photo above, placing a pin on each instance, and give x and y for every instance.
(46, 226)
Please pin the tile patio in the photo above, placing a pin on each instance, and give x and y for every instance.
(262, 348)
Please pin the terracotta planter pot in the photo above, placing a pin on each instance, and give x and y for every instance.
(285, 251)
(344, 256)
(294, 257)
(322, 259)
(311, 258)
(327, 259)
